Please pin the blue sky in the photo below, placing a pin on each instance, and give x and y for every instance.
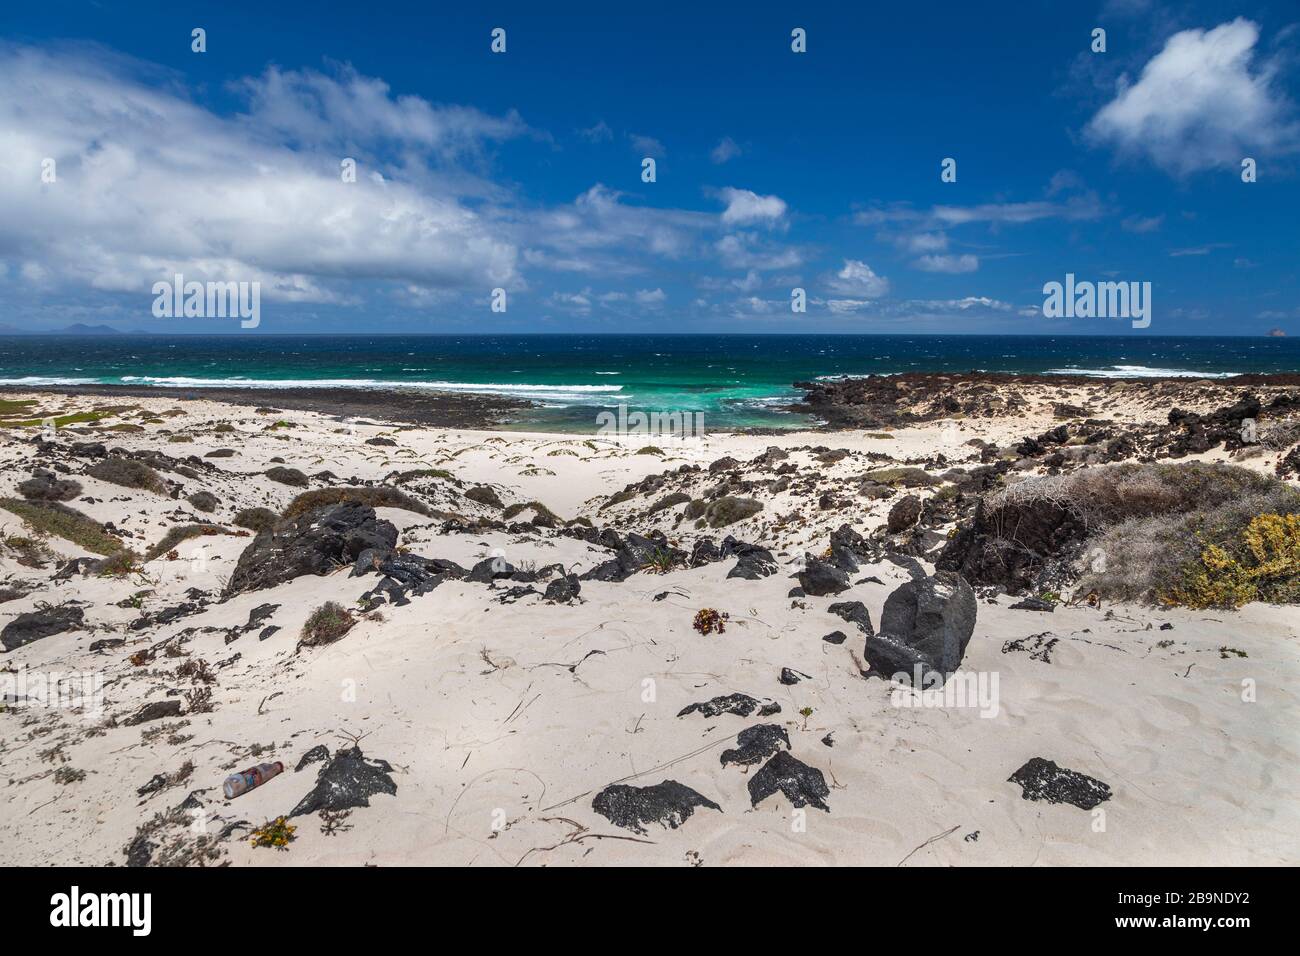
(774, 170)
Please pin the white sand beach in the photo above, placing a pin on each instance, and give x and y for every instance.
(501, 715)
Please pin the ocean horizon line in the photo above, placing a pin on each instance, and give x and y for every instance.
(246, 333)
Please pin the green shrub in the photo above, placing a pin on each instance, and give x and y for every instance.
(325, 625)
(45, 487)
(128, 473)
(287, 476)
(547, 516)
(67, 523)
(256, 519)
(1195, 534)
(1264, 565)
(176, 535)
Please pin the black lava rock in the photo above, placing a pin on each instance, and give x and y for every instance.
(1042, 779)
(158, 710)
(313, 543)
(1033, 604)
(742, 705)
(45, 622)
(755, 744)
(669, 804)
(563, 590)
(820, 578)
(801, 784)
(926, 622)
(855, 612)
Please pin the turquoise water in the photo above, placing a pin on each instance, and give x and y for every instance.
(735, 380)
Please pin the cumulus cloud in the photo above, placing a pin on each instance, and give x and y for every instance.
(747, 207)
(857, 280)
(599, 232)
(150, 184)
(1203, 101)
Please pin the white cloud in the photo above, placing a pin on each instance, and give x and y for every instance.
(974, 302)
(600, 133)
(1200, 103)
(1142, 224)
(847, 306)
(1015, 212)
(600, 233)
(726, 149)
(150, 184)
(925, 242)
(953, 264)
(736, 252)
(857, 280)
(744, 206)
(579, 302)
(648, 146)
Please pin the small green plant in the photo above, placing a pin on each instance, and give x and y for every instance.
(805, 713)
(326, 624)
(118, 565)
(332, 822)
(1227, 653)
(660, 562)
(277, 833)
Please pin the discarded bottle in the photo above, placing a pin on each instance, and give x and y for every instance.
(246, 780)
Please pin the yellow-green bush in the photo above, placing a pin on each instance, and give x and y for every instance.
(1265, 566)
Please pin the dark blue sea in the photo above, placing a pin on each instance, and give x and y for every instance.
(735, 380)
